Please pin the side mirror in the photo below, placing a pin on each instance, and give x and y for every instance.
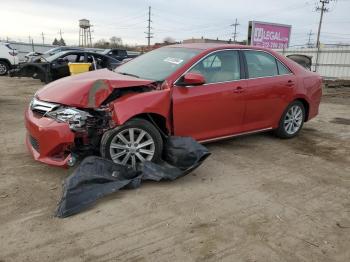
(192, 79)
(61, 60)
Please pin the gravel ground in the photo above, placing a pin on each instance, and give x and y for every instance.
(257, 198)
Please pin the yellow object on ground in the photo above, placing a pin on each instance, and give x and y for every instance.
(77, 68)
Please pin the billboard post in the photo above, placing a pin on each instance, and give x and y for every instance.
(269, 35)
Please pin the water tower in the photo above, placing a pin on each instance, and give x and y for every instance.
(84, 33)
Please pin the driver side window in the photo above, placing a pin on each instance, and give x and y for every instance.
(71, 58)
(222, 66)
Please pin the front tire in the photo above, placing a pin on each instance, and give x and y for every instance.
(291, 121)
(132, 143)
(4, 68)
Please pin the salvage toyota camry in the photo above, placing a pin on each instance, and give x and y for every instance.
(206, 91)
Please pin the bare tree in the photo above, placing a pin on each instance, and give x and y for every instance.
(102, 43)
(116, 41)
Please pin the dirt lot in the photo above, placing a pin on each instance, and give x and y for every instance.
(257, 198)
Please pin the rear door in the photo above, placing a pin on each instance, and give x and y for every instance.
(216, 108)
(269, 89)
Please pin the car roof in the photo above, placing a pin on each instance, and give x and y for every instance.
(81, 52)
(216, 46)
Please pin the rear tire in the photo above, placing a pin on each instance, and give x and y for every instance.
(134, 142)
(291, 121)
(4, 68)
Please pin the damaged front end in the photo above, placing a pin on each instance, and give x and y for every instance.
(60, 134)
(39, 71)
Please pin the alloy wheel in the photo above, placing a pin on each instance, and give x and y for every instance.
(293, 120)
(132, 146)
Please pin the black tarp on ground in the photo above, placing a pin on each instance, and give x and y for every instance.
(96, 177)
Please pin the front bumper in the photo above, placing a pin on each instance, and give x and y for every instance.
(47, 140)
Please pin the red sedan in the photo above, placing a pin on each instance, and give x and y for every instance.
(206, 91)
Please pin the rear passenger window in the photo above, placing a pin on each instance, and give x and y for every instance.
(260, 64)
(282, 69)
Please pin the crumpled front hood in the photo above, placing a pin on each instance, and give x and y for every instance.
(87, 90)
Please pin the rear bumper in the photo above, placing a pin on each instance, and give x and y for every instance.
(315, 104)
(47, 140)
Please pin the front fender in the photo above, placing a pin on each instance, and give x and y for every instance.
(128, 106)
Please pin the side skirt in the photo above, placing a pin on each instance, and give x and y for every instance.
(234, 135)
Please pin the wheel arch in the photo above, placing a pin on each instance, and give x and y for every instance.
(148, 105)
(6, 61)
(306, 105)
(158, 120)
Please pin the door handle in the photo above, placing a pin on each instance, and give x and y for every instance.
(238, 89)
(290, 83)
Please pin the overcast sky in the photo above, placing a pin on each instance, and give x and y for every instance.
(179, 19)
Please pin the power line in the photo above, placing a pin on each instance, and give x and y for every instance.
(149, 35)
(235, 30)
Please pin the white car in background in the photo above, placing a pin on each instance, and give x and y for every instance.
(8, 58)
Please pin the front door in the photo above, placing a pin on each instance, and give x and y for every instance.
(216, 108)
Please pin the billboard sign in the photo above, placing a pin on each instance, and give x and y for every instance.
(269, 35)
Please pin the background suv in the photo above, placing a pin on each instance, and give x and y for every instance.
(8, 58)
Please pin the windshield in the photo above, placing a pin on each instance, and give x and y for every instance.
(9, 46)
(158, 64)
(53, 57)
(52, 51)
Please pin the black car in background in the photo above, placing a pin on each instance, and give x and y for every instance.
(56, 66)
(33, 56)
(119, 54)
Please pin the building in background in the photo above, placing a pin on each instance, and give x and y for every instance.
(207, 40)
(204, 40)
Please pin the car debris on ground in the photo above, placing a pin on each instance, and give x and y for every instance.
(96, 177)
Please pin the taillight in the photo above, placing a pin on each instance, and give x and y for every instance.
(13, 53)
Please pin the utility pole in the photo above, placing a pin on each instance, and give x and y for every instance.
(60, 32)
(148, 33)
(322, 9)
(235, 30)
(43, 37)
(309, 44)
